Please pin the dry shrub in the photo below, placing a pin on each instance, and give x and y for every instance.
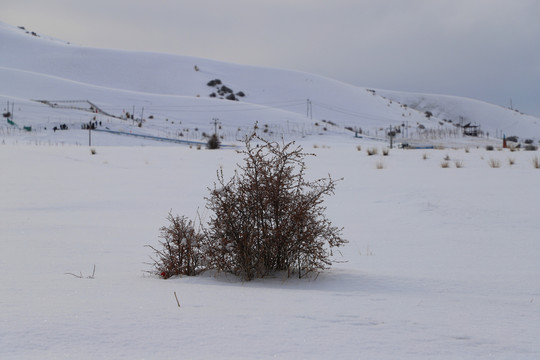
(511, 161)
(494, 163)
(372, 151)
(213, 143)
(458, 164)
(445, 164)
(181, 248)
(536, 162)
(379, 165)
(268, 217)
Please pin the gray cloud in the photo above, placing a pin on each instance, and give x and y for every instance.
(486, 49)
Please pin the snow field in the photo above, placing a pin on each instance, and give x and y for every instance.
(442, 263)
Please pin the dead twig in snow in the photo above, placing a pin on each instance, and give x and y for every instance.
(80, 276)
(77, 276)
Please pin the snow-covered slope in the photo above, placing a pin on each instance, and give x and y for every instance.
(495, 119)
(171, 95)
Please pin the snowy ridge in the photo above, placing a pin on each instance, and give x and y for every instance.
(171, 95)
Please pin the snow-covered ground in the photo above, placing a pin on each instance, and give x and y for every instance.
(442, 262)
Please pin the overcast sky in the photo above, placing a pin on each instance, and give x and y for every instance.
(484, 49)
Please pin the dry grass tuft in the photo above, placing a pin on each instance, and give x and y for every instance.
(494, 163)
(372, 151)
(536, 162)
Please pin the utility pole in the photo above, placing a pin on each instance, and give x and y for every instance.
(90, 124)
(309, 110)
(216, 122)
(391, 135)
(10, 117)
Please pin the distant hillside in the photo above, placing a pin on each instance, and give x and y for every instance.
(496, 120)
(180, 96)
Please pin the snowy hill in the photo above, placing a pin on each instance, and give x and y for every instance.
(442, 259)
(171, 95)
(495, 119)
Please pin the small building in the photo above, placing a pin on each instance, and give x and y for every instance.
(470, 130)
